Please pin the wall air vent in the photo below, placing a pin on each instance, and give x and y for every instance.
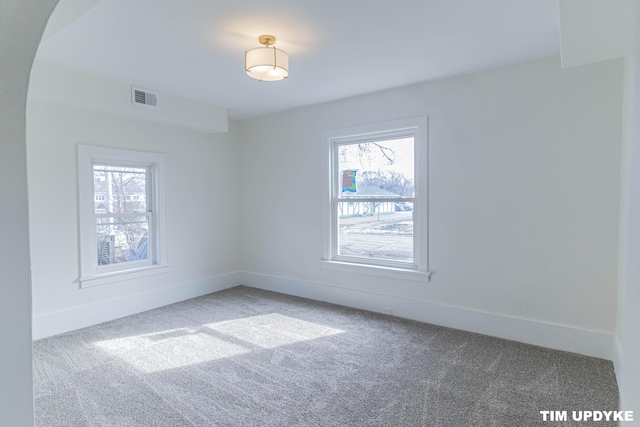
(144, 97)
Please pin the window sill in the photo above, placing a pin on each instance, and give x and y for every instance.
(118, 276)
(378, 270)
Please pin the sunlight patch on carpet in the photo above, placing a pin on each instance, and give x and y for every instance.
(175, 348)
(170, 349)
(273, 330)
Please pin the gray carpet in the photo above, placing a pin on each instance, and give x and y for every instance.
(246, 357)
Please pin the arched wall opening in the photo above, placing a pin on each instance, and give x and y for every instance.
(21, 27)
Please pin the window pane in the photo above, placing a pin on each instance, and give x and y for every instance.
(119, 189)
(376, 169)
(380, 230)
(122, 239)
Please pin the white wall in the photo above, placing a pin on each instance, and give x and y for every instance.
(21, 26)
(523, 203)
(627, 357)
(80, 89)
(593, 31)
(201, 203)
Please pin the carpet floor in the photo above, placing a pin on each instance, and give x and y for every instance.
(247, 357)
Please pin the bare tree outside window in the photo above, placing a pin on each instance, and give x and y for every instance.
(122, 213)
(373, 219)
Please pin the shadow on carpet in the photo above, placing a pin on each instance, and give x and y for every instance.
(247, 357)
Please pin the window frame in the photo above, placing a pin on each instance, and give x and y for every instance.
(91, 274)
(416, 127)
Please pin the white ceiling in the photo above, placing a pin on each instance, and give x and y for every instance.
(337, 48)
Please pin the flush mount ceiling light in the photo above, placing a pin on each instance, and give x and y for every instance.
(267, 63)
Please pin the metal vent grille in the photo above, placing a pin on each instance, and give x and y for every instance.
(144, 97)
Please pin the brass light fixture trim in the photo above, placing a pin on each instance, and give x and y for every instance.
(267, 40)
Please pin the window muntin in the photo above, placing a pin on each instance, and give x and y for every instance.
(376, 199)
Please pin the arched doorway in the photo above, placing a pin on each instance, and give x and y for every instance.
(21, 27)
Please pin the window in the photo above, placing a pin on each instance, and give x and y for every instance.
(122, 214)
(376, 199)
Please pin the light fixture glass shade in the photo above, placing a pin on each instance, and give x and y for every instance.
(267, 64)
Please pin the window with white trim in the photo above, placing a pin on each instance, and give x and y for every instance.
(376, 199)
(121, 213)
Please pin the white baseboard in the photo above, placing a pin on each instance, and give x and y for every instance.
(560, 337)
(617, 356)
(59, 322)
(627, 375)
(555, 336)
(619, 369)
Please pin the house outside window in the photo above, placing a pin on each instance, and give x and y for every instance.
(376, 199)
(123, 229)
